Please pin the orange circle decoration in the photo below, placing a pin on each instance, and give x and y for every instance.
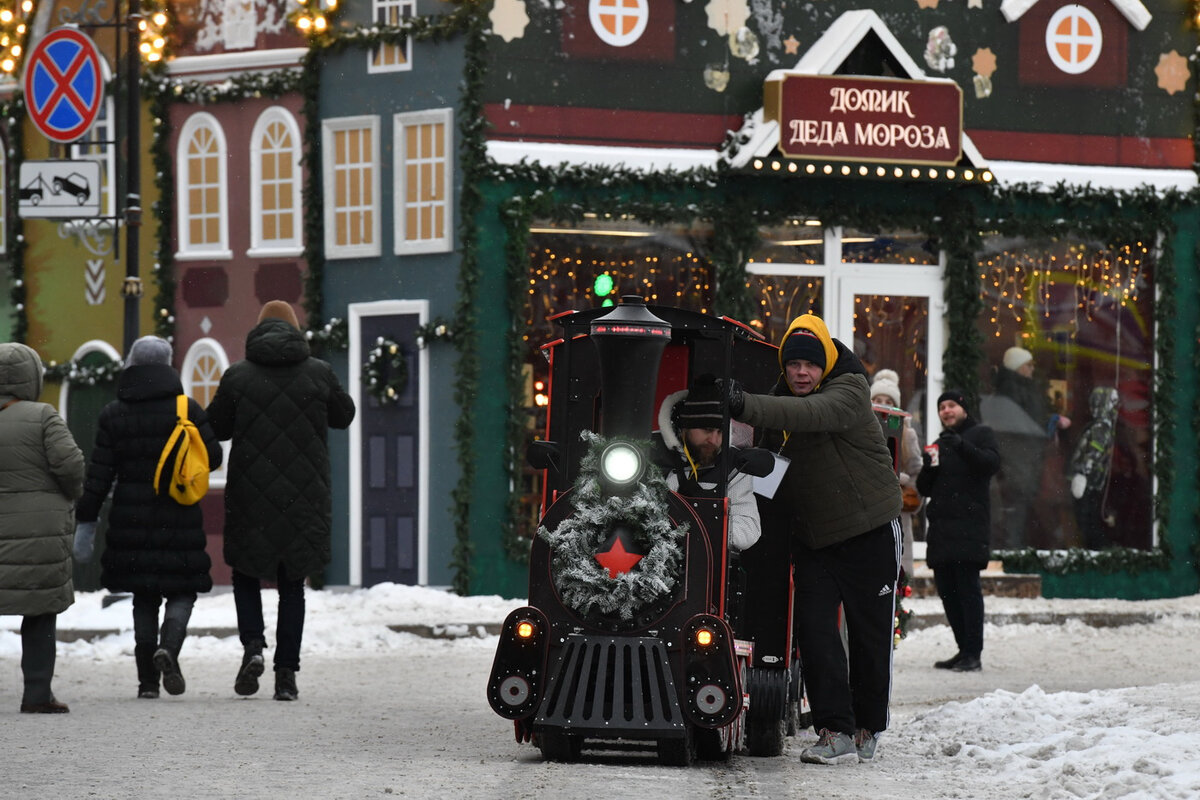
(619, 23)
(1074, 39)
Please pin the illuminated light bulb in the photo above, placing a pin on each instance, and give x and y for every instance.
(6, 16)
(758, 164)
(899, 173)
(862, 171)
(159, 43)
(828, 169)
(810, 169)
(319, 23)
(7, 65)
(145, 47)
(160, 19)
(304, 23)
(968, 175)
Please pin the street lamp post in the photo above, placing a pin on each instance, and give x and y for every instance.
(132, 287)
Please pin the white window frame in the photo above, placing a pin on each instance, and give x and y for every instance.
(389, 13)
(400, 122)
(220, 249)
(329, 170)
(200, 348)
(237, 35)
(260, 247)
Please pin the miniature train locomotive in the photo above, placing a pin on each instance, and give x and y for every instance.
(637, 631)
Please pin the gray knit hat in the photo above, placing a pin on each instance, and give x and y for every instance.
(149, 350)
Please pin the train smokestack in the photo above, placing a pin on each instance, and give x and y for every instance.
(630, 342)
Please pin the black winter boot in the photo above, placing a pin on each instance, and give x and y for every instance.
(166, 657)
(252, 667)
(285, 684)
(143, 655)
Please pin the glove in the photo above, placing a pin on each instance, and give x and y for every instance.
(926, 460)
(734, 397)
(85, 541)
(1078, 485)
(949, 440)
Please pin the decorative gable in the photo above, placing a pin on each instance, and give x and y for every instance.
(856, 48)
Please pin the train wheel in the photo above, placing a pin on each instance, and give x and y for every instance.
(677, 752)
(766, 720)
(557, 746)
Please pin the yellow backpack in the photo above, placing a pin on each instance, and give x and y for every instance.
(186, 459)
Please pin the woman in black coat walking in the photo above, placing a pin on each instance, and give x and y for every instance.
(156, 546)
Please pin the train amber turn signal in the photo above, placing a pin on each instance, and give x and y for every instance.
(525, 629)
(704, 637)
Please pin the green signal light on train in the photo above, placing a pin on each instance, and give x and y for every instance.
(603, 286)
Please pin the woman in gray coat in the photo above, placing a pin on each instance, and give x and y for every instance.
(41, 477)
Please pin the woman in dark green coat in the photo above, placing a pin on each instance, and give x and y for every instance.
(41, 476)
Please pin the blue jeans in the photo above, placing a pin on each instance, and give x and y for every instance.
(289, 625)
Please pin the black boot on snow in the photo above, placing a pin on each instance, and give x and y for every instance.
(252, 667)
(143, 655)
(285, 684)
(166, 657)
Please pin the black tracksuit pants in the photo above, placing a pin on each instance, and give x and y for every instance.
(860, 576)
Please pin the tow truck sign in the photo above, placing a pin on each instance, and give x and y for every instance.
(59, 189)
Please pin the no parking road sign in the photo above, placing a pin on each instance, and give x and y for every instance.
(64, 85)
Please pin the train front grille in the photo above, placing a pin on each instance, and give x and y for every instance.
(614, 686)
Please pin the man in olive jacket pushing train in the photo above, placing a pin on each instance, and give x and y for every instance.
(841, 497)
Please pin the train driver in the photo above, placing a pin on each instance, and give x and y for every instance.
(690, 422)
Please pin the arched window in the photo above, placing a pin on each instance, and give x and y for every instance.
(201, 371)
(275, 225)
(203, 204)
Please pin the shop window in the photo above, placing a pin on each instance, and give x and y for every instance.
(203, 213)
(396, 57)
(351, 166)
(1081, 314)
(890, 247)
(275, 185)
(423, 147)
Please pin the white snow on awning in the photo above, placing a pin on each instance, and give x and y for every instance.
(1008, 173)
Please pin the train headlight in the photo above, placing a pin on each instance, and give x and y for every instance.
(621, 464)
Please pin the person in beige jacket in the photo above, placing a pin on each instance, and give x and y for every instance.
(41, 477)
(841, 498)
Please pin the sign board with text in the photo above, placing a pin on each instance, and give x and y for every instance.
(865, 119)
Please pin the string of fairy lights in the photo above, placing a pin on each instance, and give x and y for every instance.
(14, 29)
(1021, 284)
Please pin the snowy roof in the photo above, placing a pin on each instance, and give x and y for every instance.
(1137, 14)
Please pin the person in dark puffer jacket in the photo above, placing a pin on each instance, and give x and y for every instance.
(277, 406)
(155, 546)
(959, 514)
(41, 477)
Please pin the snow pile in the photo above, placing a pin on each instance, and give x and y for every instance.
(1139, 742)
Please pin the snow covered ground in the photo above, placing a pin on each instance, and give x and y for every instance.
(1059, 711)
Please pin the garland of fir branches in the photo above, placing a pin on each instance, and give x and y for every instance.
(13, 114)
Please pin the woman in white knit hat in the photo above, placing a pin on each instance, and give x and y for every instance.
(885, 391)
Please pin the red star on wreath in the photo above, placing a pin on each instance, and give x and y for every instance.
(616, 559)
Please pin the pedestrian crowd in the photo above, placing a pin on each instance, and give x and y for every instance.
(275, 408)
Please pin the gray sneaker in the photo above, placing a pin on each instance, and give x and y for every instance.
(834, 747)
(865, 742)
